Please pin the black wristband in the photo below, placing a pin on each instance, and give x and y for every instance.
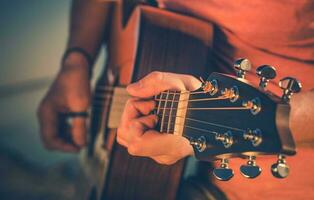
(86, 55)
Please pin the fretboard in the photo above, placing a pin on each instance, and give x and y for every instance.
(170, 109)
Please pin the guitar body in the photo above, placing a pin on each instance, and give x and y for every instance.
(153, 40)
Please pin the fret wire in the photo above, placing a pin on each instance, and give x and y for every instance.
(169, 118)
(158, 109)
(163, 113)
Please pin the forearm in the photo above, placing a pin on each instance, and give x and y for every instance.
(302, 118)
(89, 22)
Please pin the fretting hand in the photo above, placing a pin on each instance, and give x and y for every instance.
(136, 131)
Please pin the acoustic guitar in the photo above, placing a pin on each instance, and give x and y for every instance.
(227, 117)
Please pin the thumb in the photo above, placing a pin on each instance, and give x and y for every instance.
(157, 82)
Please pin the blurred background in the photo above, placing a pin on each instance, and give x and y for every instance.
(33, 37)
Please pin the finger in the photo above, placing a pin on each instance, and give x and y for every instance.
(122, 142)
(137, 127)
(165, 160)
(48, 128)
(152, 143)
(157, 82)
(148, 121)
(79, 130)
(135, 108)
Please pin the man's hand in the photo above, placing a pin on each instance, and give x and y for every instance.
(70, 92)
(136, 131)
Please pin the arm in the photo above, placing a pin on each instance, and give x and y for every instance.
(87, 24)
(70, 91)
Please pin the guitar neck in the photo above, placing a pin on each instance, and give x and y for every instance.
(171, 109)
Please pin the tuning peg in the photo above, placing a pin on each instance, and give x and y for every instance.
(199, 143)
(266, 73)
(242, 65)
(280, 169)
(223, 173)
(289, 85)
(255, 136)
(250, 170)
(209, 86)
(226, 139)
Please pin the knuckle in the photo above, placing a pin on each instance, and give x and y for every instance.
(136, 125)
(134, 149)
(120, 131)
(165, 160)
(120, 140)
(156, 75)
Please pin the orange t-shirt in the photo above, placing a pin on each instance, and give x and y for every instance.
(274, 32)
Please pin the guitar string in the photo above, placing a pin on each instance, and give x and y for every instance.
(192, 100)
(200, 121)
(190, 108)
(210, 123)
(182, 92)
(192, 127)
(200, 99)
(211, 108)
(199, 129)
(204, 122)
(109, 88)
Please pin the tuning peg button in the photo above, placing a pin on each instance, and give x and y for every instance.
(242, 65)
(266, 73)
(289, 85)
(209, 86)
(250, 170)
(280, 169)
(226, 139)
(255, 136)
(199, 143)
(223, 173)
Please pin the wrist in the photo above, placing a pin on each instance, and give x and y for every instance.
(75, 62)
(77, 57)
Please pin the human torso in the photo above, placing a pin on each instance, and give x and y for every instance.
(278, 33)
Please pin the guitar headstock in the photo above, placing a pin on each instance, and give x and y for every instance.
(228, 117)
